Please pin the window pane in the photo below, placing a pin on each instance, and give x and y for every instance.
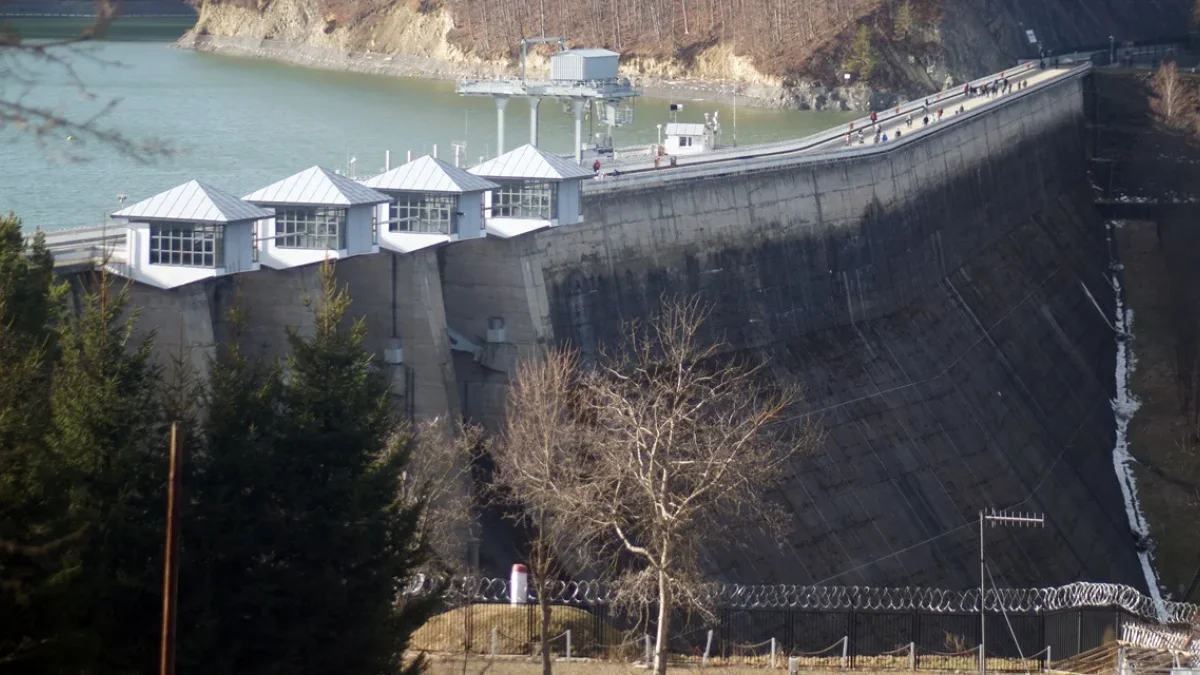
(320, 228)
(526, 200)
(186, 244)
(426, 213)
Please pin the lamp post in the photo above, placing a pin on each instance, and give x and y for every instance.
(1112, 50)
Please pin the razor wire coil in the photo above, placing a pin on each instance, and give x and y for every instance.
(1076, 595)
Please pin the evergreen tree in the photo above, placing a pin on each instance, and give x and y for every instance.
(34, 530)
(904, 20)
(107, 430)
(862, 57)
(230, 521)
(296, 520)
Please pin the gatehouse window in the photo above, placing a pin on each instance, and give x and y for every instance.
(526, 200)
(425, 213)
(186, 245)
(320, 227)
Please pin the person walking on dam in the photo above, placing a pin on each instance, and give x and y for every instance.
(596, 167)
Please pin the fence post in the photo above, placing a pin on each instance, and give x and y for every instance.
(912, 655)
(982, 656)
(568, 644)
(1048, 659)
(1078, 632)
(649, 658)
(846, 639)
(707, 649)
(495, 640)
(793, 665)
(772, 653)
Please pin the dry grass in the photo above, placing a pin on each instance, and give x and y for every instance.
(526, 666)
(470, 629)
(1160, 436)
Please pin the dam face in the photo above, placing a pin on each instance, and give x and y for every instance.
(943, 302)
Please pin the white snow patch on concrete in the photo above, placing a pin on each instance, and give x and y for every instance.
(1124, 405)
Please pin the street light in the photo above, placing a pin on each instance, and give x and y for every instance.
(1112, 50)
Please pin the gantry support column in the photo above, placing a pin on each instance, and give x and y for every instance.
(577, 108)
(534, 102)
(501, 102)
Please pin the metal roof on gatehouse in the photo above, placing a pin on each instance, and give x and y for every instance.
(194, 202)
(684, 129)
(529, 161)
(429, 174)
(317, 186)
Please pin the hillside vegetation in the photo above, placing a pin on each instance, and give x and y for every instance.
(903, 44)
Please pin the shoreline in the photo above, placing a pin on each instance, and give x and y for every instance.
(813, 97)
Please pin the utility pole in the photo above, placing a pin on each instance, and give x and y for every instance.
(166, 663)
(996, 518)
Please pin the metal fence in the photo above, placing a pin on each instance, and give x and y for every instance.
(804, 628)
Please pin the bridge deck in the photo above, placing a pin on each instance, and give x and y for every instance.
(83, 245)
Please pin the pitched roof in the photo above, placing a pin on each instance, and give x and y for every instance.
(684, 129)
(429, 174)
(528, 161)
(194, 202)
(317, 186)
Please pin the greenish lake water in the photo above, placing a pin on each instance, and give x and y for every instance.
(240, 124)
(153, 28)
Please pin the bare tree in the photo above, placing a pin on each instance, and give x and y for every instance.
(675, 445)
(541, 443)
(1175, 99)
(438, 478)
(24, 63)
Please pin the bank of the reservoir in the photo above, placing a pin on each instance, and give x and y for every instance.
(723, 92)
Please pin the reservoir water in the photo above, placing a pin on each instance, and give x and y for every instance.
(240, 124)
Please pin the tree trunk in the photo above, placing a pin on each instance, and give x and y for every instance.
(664, 616)
(544, 607)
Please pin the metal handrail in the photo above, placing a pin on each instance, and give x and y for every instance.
(768, 156)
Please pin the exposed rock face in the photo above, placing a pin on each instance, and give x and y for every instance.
(964, 39)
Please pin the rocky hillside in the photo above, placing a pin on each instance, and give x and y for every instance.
(784, 48)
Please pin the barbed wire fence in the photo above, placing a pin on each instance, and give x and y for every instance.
(1077, 595)
(797, 627)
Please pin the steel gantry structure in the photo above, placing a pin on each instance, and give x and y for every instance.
(593, 78)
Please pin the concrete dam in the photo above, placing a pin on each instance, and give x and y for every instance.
(944, 301)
